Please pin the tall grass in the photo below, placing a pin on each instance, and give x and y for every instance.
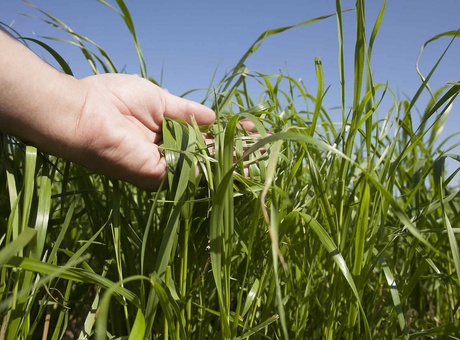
(309, 228)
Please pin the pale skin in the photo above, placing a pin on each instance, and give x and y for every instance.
(108, 123)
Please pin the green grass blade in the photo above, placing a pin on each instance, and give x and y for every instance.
(104, 307)
(262, 325)
(67, 273)
(453, 34)
(18, 244)
(43, 214)
(328, 243)
(450, 233)
(251, 298)
(391, 281)
(360, 52)
(62, 63)
(272, 224)
(128, 20)
(341, 56)
(65, 226)
(29, 184)
(180, 167)
(361, 228)
(138, 330)
(319, 94)
(170, 308)
(258, 42)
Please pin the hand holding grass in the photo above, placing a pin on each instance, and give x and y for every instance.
(109, 123)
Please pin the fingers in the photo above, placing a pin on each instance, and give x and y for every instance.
(128, 154)
(246, 124)
(180, 108)
(151, 173)
(146, 101)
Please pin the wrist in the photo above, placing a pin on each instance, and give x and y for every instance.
(37, 103)
(44, 112)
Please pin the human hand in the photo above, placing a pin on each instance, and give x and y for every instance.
(119, 127)
(109, 123)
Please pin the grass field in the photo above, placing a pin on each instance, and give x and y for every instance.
(310, 229)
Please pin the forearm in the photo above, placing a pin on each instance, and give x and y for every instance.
(36, 100)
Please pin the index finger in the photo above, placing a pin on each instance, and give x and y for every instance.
(181, 108)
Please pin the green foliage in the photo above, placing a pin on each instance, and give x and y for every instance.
(306, 229)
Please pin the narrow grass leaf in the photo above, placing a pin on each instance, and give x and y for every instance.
(138, 329)
(255, 330)
(67, 273)
(328, 243)
(29, 184)
(12, 249)
(104, 307)
(361, 228)
(251, 298)
(128, 20)
(62, 63)
(68, 219)
(395, 296)
(43, 214)
(452, 238)
(319, 94)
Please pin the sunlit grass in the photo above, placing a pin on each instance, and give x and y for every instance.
(310, 228)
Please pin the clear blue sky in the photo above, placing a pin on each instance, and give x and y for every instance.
(189, 40)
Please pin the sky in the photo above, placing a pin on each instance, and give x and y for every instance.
(185, 43)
